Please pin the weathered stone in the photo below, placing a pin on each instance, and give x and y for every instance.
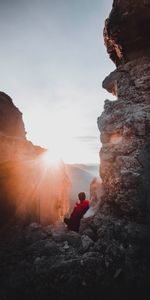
(86, 242)
(125, 128)
(126, 32)
(43, 247)
(11, 122)
(73, 238)
(35, 233)
(122, 223)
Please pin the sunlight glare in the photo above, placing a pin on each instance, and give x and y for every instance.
(51, 158)
(58, 132)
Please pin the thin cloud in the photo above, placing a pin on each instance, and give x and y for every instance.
(86, 138)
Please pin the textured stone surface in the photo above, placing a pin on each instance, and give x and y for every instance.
(10, 117)
(125, 129)
(35, 265)
(125, 136)
(125, 123)
(126, 32)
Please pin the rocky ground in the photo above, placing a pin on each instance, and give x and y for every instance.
(109, 258)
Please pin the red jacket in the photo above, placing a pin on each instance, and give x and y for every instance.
(77, 214)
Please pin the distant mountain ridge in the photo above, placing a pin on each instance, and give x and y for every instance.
(81, 176)
(90, 168)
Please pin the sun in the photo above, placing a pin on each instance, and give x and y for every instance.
(61, 133)
(51, 158)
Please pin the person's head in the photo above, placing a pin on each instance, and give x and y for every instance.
(81, 196)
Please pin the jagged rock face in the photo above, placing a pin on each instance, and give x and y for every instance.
(10, 117)
(126, 32)
(125, 123)
(29, 189)
(125, 153)
(125, 130)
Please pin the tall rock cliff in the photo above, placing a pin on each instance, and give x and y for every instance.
(122, 221)
(125, 122)
(29, 188)
(11, 122)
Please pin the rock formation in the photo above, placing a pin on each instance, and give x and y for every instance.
(126, 32)
(122, 223)
(110, 257)
(29, 188)
(96, 193)
(11, 123)
(125, 123)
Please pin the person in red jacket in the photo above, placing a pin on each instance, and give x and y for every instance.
(80, 209)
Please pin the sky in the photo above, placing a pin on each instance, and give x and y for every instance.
(53, 61)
